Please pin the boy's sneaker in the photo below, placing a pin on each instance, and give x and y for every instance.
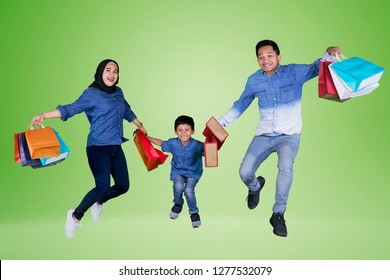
(96, 210)
(195, 219)
(253, 198)
(175, 211)
(279, 224)
(71, 224)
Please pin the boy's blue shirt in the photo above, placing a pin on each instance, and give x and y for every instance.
(186, 159)
(105, 113)
(279, 98)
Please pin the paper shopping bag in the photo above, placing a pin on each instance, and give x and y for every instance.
(326, 87)
(215, 137)
(24, 152)
(210, 152)
(344, 91)
(151, 157)
(213, 128)
(17, 149)
(357, 73)
(64, 152)
(42, 142)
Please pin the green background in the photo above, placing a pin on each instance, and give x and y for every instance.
(193, 57)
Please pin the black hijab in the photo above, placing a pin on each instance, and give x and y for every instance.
(98, 82)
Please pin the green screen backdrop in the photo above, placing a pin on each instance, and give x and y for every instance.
(194, 57)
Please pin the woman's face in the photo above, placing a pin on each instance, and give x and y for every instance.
(110, 74)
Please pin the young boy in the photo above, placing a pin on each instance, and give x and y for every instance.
(186, 166)
(279, 91)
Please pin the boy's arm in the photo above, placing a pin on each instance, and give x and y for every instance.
(155, 141)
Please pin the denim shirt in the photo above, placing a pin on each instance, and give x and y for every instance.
(186, 159)
(105, 113)
(279, 98)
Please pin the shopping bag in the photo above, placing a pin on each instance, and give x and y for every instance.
(151, 157)
(343, 89)
(214, 129)
(16, 148)
(215, 137)
(24, 153)
(357, 73)
(42, 142)
(64, 152)
(326, 87)
(210, 151)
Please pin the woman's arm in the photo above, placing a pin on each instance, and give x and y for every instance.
(140, 126)
(37, 120)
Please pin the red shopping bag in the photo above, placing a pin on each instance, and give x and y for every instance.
(210, 151)
(214, 130)
(151, 157)
(326, 87)
(215, 137)
(16, 148)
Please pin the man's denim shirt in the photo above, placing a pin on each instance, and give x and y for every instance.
(279, 98)
(186, 159)
(105, 113)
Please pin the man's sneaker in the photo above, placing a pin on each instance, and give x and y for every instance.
(175, 211)
(71, 224)
(195, 219)
(253, 198)
(279, 224)
(96, 210)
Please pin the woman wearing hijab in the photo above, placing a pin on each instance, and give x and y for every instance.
(106, 108)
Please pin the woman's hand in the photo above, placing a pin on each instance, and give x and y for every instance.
(37, 120)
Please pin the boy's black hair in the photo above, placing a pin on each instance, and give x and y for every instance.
(184, 120)
(267, 43)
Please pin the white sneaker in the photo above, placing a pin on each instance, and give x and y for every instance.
(96, 210)
(71, 224)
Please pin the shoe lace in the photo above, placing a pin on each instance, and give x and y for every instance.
(280, 219)
(195, 217)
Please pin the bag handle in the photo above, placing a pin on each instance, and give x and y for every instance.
(333, 58)
(31, 127)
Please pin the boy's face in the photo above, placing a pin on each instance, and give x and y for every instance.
(110, 74)
(184, 132)
(268, 59)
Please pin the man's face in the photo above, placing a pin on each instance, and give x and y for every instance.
(268, 59)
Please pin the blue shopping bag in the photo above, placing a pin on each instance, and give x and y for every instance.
(357, 73)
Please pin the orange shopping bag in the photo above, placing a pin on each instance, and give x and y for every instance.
(42, 142)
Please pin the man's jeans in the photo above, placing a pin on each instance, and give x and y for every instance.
(286, 147)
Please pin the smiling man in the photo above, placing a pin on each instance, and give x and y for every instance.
(279, 92)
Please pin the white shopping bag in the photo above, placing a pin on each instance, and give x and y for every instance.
(346, 92)
(358, 73)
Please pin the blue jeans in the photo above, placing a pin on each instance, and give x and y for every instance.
(105, 161)
(186, 185)
(286, 147)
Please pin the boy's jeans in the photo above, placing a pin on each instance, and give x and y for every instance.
(286, 147)
(186, 185)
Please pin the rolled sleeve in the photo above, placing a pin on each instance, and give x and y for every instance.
(83, 103)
